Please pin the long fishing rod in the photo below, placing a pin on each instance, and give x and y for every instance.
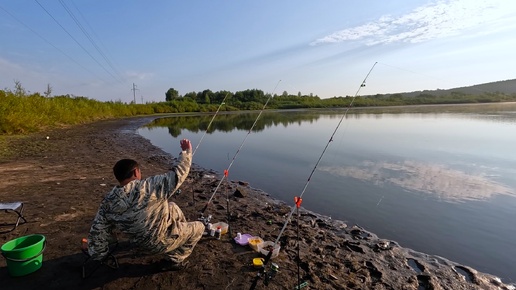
(205, 132)
(226, 171)
(298, 199)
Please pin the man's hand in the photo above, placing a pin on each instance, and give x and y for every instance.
(186, 145)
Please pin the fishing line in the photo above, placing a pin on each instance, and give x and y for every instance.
(226, 171)
(268, 257)
(379, 201)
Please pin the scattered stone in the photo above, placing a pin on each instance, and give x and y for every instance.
(318, 251)
(383, 245)
(240, 192)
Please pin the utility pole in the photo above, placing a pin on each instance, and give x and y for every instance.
(134, 89)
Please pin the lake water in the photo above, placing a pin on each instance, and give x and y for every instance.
(437, 179)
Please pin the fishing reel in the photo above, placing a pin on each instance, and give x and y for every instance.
(270, 274)
(205, 220)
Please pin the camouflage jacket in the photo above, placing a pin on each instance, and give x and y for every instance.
(140, 210)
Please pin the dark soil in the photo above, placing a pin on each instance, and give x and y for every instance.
(62, 179)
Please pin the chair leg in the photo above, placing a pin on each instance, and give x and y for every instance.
(105, 261)
(20, 216)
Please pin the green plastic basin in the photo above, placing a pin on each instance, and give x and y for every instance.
(24, 255)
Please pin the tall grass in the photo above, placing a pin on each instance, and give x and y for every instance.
(22, 113)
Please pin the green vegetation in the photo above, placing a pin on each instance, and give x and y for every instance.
(22, 112)
(430, 99)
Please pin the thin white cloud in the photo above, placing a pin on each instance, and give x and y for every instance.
(435, 20)
(449, 184)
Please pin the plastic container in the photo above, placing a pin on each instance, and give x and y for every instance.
(223, 227)
(243, 240)
(263, 249)
(254, 243)
(24, 255)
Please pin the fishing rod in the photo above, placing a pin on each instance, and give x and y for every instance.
(205, 220)
(299, 199)
(205, 132)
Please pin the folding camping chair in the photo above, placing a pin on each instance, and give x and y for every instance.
(109, 261)
(16, 208)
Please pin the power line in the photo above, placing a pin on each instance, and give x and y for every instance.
(73, 38)
(50, 43)
(94, 34)
(89, 37)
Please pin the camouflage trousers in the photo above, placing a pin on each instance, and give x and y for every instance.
(183, 237)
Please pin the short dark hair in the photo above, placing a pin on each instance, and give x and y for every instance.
(124, 168)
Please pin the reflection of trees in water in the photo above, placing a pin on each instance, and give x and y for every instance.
(174, 131)
(228, 122)
(231, 122)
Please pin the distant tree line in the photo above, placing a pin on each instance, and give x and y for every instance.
(254, 99)
(22, 111)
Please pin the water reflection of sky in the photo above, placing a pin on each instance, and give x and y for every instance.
(446, 183)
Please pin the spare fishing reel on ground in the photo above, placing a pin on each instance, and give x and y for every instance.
(205, 221)
(273, 270)
(267, 275)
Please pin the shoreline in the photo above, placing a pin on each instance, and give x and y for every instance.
(73, 171)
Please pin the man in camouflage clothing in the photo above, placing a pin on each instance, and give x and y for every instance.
(140, 209)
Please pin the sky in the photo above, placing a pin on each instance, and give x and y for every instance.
(136, 50)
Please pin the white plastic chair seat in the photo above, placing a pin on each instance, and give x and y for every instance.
(10, 206)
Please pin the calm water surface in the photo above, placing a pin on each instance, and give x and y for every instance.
(438, 179)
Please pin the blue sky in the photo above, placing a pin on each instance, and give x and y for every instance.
(98, 49)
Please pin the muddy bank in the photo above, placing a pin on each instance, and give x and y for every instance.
(62, 179)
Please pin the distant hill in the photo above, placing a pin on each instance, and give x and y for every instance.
(506, 87)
